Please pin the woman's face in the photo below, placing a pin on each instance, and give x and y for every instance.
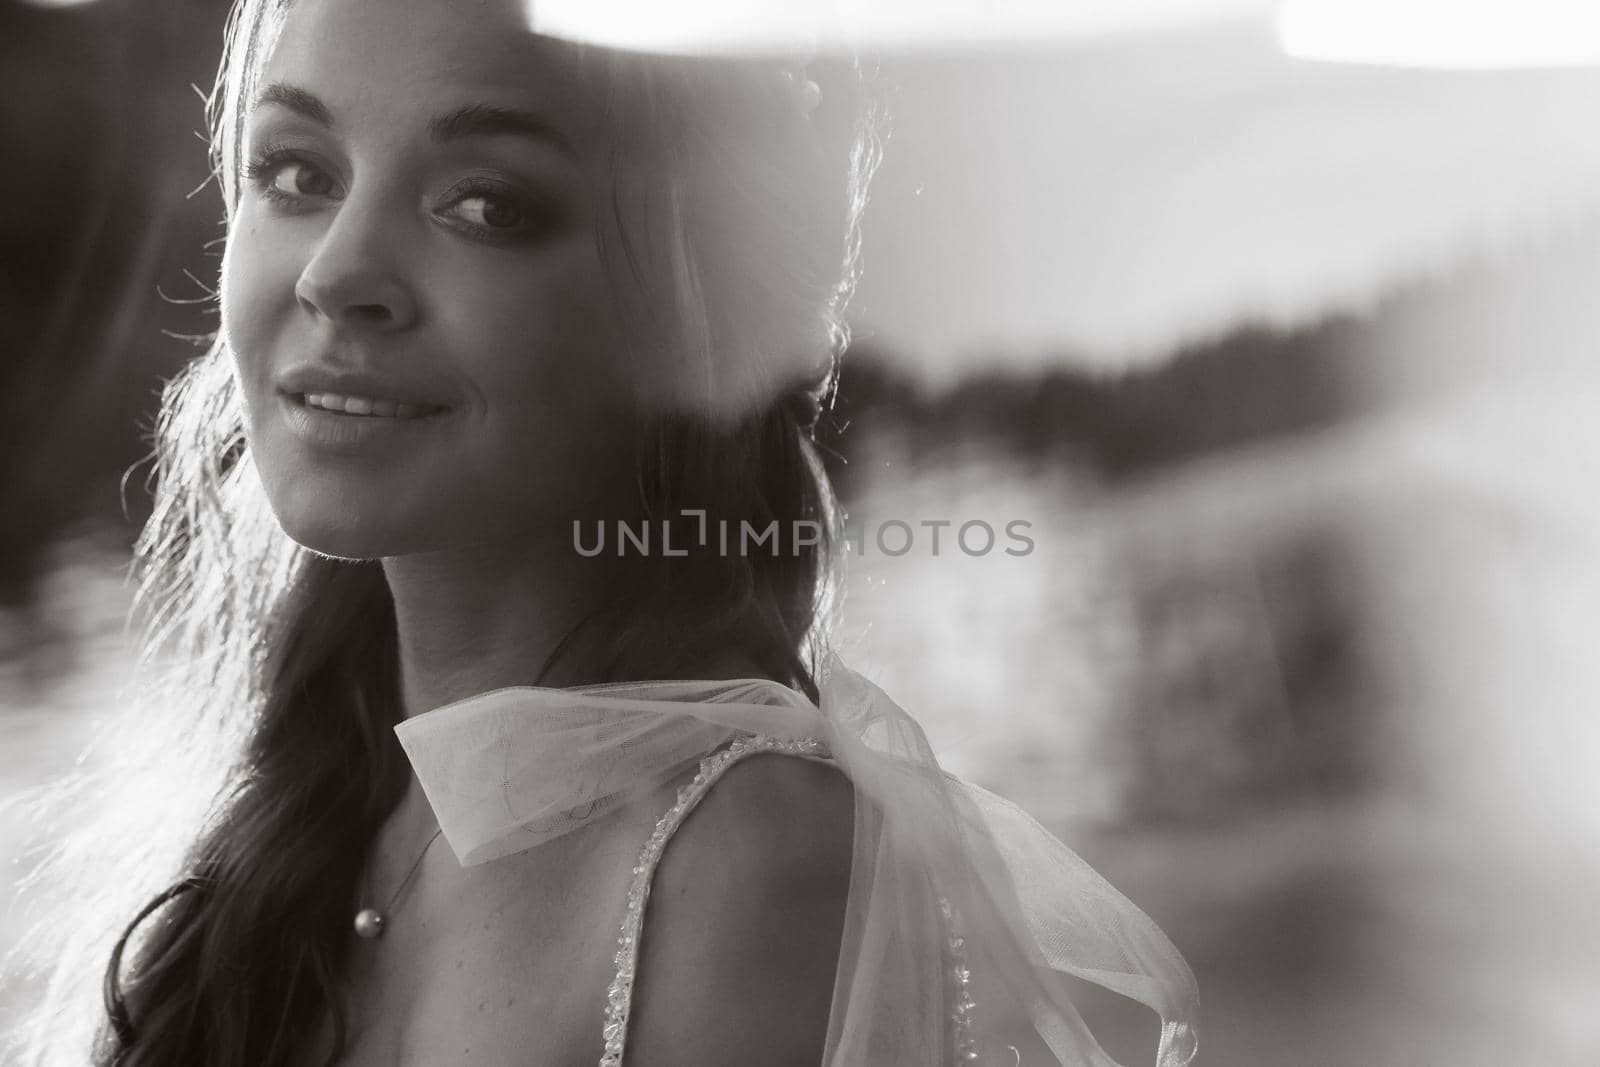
(428, 345)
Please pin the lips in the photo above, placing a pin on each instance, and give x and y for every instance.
(360, 414)
(359, 394)
(363, 406)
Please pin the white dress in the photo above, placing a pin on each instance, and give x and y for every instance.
(963, 913)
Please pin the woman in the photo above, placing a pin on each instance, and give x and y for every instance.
(484, 292)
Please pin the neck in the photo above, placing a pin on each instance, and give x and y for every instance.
(489, 616)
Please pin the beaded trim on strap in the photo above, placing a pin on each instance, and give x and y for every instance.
(963, 1049)
(619, 996)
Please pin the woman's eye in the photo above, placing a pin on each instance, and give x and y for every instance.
(490, 212)
(304, 179)
(288, 177)
(497, 213)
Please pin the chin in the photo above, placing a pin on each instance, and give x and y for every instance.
(337, 541)
(342, 528)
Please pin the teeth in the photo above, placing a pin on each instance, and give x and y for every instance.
(363, 405)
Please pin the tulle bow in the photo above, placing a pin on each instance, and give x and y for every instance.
(512, 768)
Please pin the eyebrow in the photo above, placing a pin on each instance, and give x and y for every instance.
(470, 120)
(488, 120)
(296, 100)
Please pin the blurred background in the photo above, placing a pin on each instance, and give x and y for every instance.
(1288, 361)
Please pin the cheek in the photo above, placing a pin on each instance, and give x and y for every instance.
(548, 336)
(542, 348)
(257, 292)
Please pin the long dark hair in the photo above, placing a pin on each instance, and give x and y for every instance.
(271, 672)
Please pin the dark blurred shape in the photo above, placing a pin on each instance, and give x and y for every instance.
(1255, 688)
(98, 119)
(1253, 385)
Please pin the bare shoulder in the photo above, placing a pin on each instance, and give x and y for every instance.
(741, 936)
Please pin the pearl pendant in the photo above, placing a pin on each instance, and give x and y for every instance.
(369, 924)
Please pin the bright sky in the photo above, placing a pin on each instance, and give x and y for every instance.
(693, 26)
(1119, 197)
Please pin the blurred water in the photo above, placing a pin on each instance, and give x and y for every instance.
(65, 660)
(1430, 903)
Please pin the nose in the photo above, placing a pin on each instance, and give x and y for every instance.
(354, 278)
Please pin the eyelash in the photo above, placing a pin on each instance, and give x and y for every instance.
(263, 167)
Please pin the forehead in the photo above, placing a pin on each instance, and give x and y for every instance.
(399, 61)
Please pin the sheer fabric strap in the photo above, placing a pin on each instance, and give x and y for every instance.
(619, 997)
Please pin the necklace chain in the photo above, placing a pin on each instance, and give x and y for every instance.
(369, 922)
(411, 873)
